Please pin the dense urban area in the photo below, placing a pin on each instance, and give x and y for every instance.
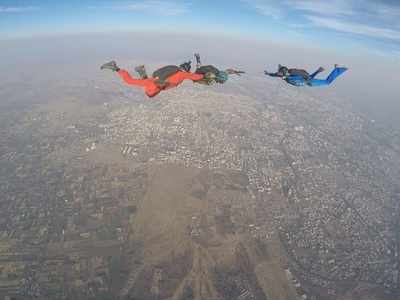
(225, 192)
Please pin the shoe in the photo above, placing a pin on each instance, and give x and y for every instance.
(186, 66)
(341, 67)
(320, 69)
(141, 70)
(112, 65)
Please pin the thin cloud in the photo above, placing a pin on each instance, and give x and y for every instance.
(271, 9)
(355, 28)
(382, 10)
(378, 20)
(347, 8)
(396, 54)
(337, 7)
(279, 9)
(155, 7)
(17, 9)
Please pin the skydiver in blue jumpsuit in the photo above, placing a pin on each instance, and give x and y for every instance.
(299, 77)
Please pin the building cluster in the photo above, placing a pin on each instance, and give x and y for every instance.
(336, 173)
(321, 178)
(62, 226)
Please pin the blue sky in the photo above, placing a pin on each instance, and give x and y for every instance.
(338, 24)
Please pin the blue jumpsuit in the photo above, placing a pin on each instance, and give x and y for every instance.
(298, 80)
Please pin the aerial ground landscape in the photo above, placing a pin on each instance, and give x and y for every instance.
(225, 192)
(250, 190)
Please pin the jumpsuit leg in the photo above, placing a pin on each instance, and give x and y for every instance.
(331, 77)
(312, 76)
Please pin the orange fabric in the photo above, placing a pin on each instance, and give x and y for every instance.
(180, 76)
(151, 88)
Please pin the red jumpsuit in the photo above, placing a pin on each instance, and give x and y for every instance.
(151, 88)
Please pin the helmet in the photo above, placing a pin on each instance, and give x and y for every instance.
(222, 76)
(282, 70)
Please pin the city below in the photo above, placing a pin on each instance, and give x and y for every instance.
(225, 192)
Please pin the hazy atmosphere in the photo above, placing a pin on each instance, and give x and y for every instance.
(371, 85)
(224, 178)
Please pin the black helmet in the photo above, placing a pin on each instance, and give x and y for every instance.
(283, 70)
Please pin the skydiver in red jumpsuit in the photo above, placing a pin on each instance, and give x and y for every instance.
(163, 79)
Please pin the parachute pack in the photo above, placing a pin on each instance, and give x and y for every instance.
(299, 72)
(207, 69)
(165, 72)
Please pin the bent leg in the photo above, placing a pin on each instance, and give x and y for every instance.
(331, 77)
(198, 60)
(317, 82)
(312, 76)
(131, 80)
(141, 70)
(151, 89)
(335, 74)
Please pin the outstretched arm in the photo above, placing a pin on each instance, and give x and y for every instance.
(131, 80)
(233, 71)
(277, 74)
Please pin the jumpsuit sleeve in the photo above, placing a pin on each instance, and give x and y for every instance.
(132, 81)
(274, 75)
